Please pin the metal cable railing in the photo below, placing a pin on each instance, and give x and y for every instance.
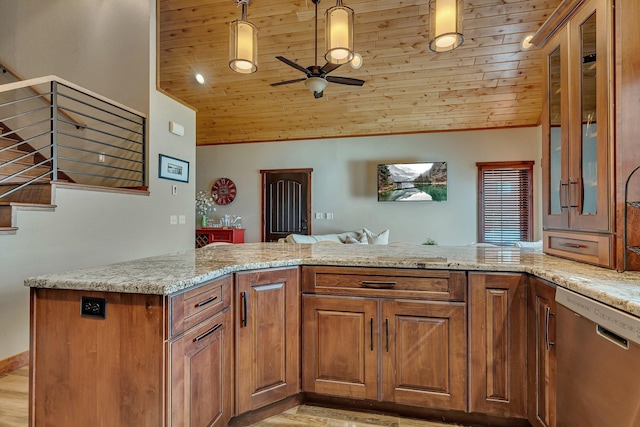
(52, 130)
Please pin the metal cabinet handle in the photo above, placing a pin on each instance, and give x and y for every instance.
(573, 245)
(209, 332)
(205, 302)
(573, 185)
(387, 328)
(243, 320)
(371, 332)
(548, 315)
(563, 205)
(378, 284)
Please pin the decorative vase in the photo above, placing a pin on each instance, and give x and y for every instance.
(203, 221)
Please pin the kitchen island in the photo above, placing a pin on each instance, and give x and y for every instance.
(145, 342)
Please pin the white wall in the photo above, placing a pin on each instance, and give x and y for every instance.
(93, 228)
(344, 179)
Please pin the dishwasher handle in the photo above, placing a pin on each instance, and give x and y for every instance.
(612, 336)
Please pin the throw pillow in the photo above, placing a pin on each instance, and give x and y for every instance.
(361, 240)
(381, 238)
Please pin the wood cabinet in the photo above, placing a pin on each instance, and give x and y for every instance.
(205, 236)
(497, 339)
(578, 143)
(541, 312)
(366, 342)
(201, 359)
(267, 337)
(150, 361)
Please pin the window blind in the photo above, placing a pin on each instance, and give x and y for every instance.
(505, 199)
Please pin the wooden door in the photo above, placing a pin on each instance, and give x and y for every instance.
(424, 351)
(201, 375)
(340, 346)
(268, 343)
(541, 355)
(286, 203)
(497, 339)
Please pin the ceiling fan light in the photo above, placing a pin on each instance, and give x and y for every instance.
(445, 27)
(243, 45)
(339, 34)
(316, 84)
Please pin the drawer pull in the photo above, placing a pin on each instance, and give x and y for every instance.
(205, 302)
(376, 284)
(243, 320)
(573, 245)
(209, 332)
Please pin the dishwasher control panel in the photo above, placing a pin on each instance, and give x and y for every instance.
(609, 318)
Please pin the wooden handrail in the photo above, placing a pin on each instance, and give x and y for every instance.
(74, 120)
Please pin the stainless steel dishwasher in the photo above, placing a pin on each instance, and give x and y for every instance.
(598, 364)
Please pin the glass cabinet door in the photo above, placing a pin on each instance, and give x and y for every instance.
(589, 139)
(555, 134)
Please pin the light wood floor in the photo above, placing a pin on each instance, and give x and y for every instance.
(14, 395)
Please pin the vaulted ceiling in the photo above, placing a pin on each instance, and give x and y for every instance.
(488, 82)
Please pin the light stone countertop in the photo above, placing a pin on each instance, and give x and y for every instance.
(170, 273)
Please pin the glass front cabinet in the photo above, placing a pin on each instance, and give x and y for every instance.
(578, 207)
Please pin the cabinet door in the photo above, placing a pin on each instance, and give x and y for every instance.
(555, 136)
(201, 373)
(541, 312)
(424, 349)
(590, 98)
(267, 348)
(340, 346)
(497, 332)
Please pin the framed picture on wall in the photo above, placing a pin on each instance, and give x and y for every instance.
(173, 169)
(412, 182)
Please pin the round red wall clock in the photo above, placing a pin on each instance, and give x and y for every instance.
(223, 191)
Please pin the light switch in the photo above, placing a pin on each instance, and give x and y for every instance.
(182, 219)
(318, 215)
(173, 219)
(329, 215)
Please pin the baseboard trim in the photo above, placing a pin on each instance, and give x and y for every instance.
(14, 362)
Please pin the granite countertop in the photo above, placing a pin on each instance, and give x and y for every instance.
(170, 273)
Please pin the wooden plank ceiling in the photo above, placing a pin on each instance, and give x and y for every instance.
(489, 82)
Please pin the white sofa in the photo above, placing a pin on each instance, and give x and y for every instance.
(362, 236)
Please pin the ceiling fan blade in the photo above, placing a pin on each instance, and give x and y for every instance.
(345, 81)
(293, 64)
(317, 95)
(286, 82)
(329, 67)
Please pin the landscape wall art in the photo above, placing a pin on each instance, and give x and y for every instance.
(412, 182)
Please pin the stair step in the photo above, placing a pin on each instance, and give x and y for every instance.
(6, 170)
(7, 142)
(39, 192)
(8, 211)
(8, 230)
(12, 153)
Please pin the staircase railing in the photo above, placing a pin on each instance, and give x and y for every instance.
(51, 129)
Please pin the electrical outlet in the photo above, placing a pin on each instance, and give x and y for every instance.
(318, 215)
(182, 219)
(329, 215)
(174, 189)
(173, 219)
(93, 307)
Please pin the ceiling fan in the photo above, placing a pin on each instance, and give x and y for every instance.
(316, 77)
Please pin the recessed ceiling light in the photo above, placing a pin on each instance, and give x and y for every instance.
(356, 62)
(200, 78)
(526, 42)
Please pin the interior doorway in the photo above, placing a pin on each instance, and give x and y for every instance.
(286, 203)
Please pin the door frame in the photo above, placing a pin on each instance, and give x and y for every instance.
(263, 173)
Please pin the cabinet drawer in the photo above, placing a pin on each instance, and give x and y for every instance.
(590, 248)
(197, 304)
(385, 282)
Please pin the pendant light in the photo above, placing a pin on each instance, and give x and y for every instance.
(445, 27)
(339, 34)
(243, 43)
